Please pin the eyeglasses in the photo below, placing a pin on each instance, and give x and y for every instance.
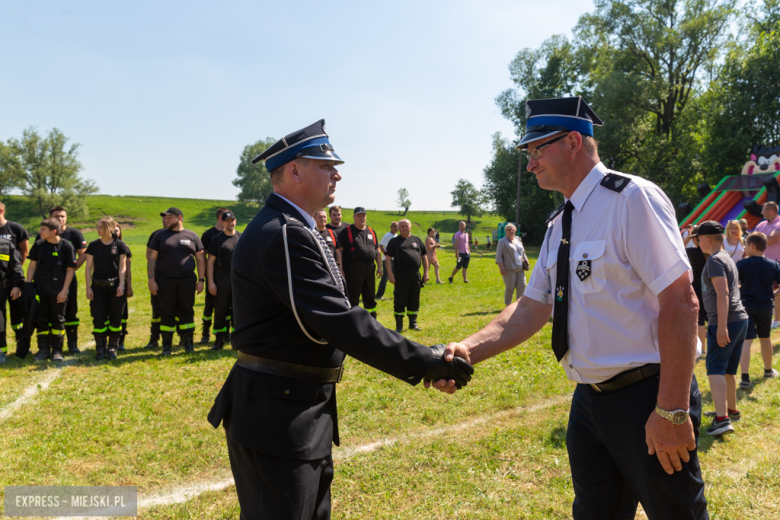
(536, 153)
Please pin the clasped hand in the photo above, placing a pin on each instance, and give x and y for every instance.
(450, 369)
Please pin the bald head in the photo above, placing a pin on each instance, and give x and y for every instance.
(405, 228)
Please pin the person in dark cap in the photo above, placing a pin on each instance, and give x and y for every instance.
(220, 253)
(208, 305)
(614, 275)
(293, 327)
(362, 261)
(176, 252)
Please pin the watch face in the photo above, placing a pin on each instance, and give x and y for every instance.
(679, 417)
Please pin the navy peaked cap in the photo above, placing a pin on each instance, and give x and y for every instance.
(545, 117)
(309, 143)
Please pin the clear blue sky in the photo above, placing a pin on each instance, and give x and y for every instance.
(163, 96)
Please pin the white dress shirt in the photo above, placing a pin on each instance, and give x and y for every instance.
(309, 219)
(633, 244)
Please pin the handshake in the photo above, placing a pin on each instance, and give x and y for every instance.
(442, 373)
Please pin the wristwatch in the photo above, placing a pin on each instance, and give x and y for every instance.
(673, 416)
(201, 279)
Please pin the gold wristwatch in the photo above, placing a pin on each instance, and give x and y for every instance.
(674, 416)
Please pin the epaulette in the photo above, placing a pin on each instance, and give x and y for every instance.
(554, 214)
(292, 220)
(613, 181)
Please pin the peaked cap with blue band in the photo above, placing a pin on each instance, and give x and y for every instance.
(546, 117)
(309, 143)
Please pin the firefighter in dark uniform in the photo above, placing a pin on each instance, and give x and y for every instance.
(154, 325)
(52, 267)
(408, 253)
(329, 236)
(360, 255)
(218, 270)
(208, 305)
(16, 233)
(11, 283)
(76, 238)
(128, 291)
(294, 326)
(105, 276)
(175, 254)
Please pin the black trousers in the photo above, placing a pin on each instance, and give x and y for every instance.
(51, 315)
(177, 302)
(71, 306)
(125, 314)
(277, 488)
(3, 298)
(611, 469)
(223, 310)
(156, 313)
(209, 304)
(406, 296)
(361, 281)
(106, 309)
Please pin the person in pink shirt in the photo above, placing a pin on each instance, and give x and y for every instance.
(770, 227)
(462, 252)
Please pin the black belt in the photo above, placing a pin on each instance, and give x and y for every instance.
(627, 378)
(105, 283)
(292, 370)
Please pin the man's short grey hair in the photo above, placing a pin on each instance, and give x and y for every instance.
(590, 144)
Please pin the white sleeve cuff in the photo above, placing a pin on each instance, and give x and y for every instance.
(669, 277)
(534, 294)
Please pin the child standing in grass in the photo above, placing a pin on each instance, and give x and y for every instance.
(52, 267)
(727, 325)
(756, 275)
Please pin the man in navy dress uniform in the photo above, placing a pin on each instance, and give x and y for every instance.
(293, 327)
(614, 275)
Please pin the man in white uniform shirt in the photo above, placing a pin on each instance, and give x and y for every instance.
(612, 268)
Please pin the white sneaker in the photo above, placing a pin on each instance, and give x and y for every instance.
(775, 324)
(773, 374)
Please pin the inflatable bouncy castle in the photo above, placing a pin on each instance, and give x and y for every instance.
(741, 196)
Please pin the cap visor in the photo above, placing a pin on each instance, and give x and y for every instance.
(530, 137)
(324, 156)
(256, 159)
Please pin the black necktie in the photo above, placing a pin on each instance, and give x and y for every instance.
(560, 333)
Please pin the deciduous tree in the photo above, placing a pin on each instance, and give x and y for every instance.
(253, 179)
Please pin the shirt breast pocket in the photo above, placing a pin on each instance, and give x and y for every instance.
(590, 273)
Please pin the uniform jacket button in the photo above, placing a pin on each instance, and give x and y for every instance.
(410, 377)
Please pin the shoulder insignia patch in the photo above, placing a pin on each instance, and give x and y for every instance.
(615, 182)
(554, 213)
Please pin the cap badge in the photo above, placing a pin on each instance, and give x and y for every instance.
(527, 110)
(583, 270)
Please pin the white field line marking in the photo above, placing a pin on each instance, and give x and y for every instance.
(31, 391)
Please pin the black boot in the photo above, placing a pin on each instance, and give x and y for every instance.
(167, 343)
(219, 341)
(206, 335)
(121, 342)
(413, 322)
(2, 357)
(154, 336)
(189, 341)
(373, 314)
(43, 348)
(22, 345)
(73, 339)
(56, 341)
(399, 323)
(100, 346)
(113, 343)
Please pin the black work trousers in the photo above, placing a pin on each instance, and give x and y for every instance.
(106, 309)
(611, 469)
(3, 299)
(209, 304)
(177, 302)
(51, 315)
(156, 313)
(223, 309)
(361, 281)
(278, 488)
(71, 306)
(406, 296)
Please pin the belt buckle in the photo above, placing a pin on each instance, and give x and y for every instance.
(341, 373)
(596, 387)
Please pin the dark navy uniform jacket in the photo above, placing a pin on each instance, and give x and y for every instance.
(291, 417)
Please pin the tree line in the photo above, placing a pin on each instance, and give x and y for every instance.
(45, 168)
(683, 96)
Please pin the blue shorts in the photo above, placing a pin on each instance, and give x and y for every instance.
(725, 360)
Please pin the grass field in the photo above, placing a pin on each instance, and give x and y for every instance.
(495, 450)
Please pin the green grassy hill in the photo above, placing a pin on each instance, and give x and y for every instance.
(140, 215)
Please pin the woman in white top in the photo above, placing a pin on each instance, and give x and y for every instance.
(733, 244)
(510, 256)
